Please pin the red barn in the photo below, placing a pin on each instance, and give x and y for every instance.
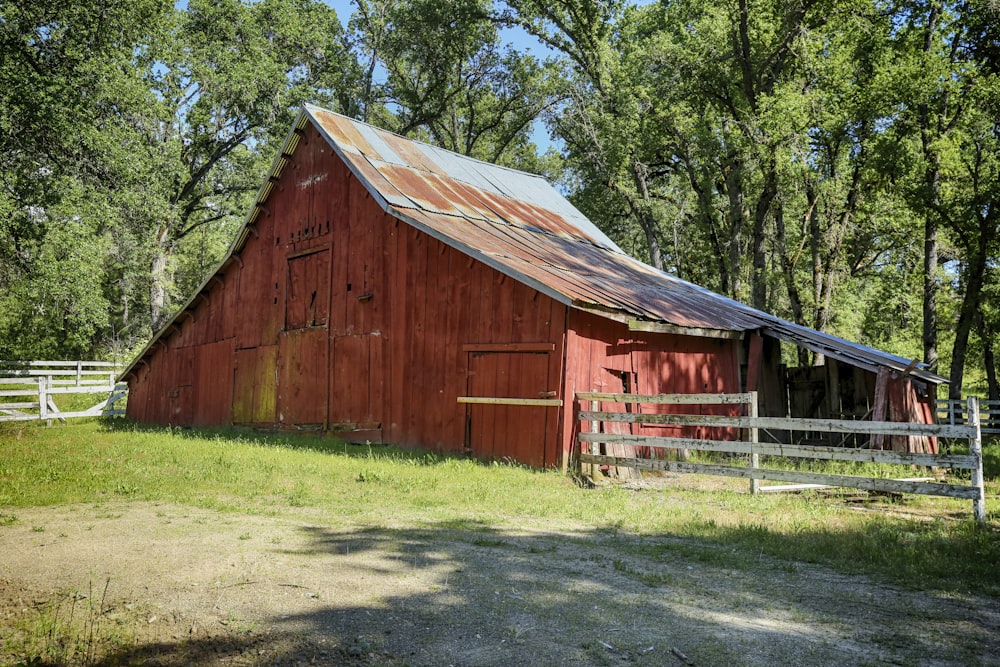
(380, 286)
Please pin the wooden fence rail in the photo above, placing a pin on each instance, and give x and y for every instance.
(43, 380)
(955, 411)
(591, 440)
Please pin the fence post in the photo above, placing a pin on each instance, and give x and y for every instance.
(79, 372)
(976, 449)
(754, 436)
(595, 447)
(43, 399)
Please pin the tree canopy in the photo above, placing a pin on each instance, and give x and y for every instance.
(835, 162)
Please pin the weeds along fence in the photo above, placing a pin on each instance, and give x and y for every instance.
(28, 389)
(602, 442)
(956, 411)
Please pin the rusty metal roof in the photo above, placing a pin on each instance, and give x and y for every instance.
(520, 225)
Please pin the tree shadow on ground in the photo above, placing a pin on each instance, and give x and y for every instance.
(463, 593)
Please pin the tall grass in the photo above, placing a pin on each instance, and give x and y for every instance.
(72, 628)
(915, 541)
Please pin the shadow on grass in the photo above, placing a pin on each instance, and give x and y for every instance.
(314, 441)
(328, 442)
(464, 593)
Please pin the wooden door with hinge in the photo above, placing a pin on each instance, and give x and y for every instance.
(511, 406)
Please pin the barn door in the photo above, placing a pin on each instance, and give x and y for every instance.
(524, 433)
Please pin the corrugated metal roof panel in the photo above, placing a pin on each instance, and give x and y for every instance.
(384, 151)
(529, 198)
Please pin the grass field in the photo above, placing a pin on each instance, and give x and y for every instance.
(918, 542)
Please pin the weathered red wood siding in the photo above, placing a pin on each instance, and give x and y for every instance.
(338, 316)
(599, 352)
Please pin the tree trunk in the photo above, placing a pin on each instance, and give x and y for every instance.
(815, 244)
(966, 319)
(706, 212)
(158, 281)
(759, 258)
(644, 213)
(735, 216)
(930, 291)
(932, 177)
(788, 273)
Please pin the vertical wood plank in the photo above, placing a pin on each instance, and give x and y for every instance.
(399, 297)
(881, 404)
(754, 362)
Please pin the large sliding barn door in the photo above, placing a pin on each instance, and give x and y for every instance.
(524, 433)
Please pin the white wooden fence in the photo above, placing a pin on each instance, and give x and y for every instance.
(955, 411)
(591, 440)
(42, 381)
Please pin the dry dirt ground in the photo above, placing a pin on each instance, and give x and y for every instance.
(189, 586)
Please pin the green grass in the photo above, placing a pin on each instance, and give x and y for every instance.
(70, 628)
(916, 542)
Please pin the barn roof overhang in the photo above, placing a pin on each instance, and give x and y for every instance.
(517, 224)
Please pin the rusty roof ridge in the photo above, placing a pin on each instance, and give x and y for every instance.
(312, 109)
(500, 181)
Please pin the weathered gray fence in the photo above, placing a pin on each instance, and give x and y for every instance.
(955, 411)
(591, 438)
(42, 381)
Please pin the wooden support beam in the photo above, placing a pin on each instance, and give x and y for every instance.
(754, 361)
(663, 327)
(509, 347)
(489, 400)
(780, 423)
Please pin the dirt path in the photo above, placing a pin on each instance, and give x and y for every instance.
(189, 586)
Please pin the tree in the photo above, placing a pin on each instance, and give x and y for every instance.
(149, 126)
(227, 76)
(951, 124)
(447, 80)
(66, 76)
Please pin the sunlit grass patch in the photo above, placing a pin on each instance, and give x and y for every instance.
(913, 540)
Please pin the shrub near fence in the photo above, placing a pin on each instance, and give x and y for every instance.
(591, 439)
(42, 381)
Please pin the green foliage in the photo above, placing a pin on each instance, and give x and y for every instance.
(437, 72)
(794, 156)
